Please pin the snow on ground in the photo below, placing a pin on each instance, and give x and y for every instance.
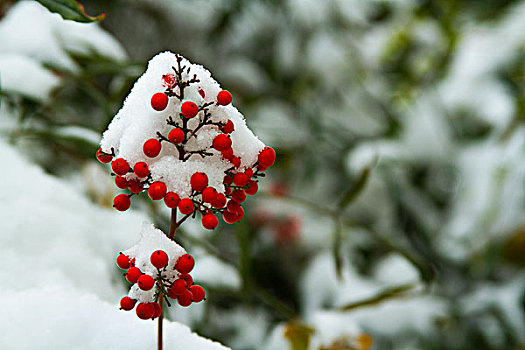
(60, 288)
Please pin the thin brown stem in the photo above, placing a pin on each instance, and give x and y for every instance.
(159, 328)
(173, 224)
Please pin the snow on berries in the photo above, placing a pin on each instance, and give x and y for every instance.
(103, 157)
(178, 133)
(158, 269)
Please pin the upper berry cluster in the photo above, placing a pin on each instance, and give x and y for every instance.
(179, 139)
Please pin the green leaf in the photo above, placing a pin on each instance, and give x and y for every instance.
(355, 189)
(398, 291)
(70, 9)
(336, 251)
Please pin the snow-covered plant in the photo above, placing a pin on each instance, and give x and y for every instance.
(159, 269)
(178, 138)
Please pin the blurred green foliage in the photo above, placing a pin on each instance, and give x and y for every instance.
(313, 170)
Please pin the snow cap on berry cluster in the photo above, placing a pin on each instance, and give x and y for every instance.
(152, 239)
(137, 122)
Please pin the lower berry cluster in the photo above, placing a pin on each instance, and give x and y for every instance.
(167, 284)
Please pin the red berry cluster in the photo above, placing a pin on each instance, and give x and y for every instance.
(180, 288)
(203, 199)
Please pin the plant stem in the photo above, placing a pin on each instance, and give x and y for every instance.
(159, 328)
(173, 224)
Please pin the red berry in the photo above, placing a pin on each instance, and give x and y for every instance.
(157, 190)
(228, 191)
(189, 109)
(169, 80)
(121, 182)
(209, 194)
(123, 261)
(158, 310)
(233, 206)
(186, 206)
(127, 303)
(178, 287)
(236, 161)
(152, 148)
(228, 127)
(120, 166)
(240, 179)
(103, 157)
(133, 274)
(135, 186)
(249, 173)
(145, 311)
(199, 181)
(266, 157)
(187, 277)
(253, 188)
(229, 217)
(240, 214)
(210, 221)
(224, 98)
(201, 92)
(159, 259)
(222, 142)
(185, 263)
(228, 154)
(171, 294)
(185, 299)
(141, 169)
(121, 202)
(176, 136)
(239, 196)
(198, 293)
(171, 200)
(220, 201)
(159, 101)
(146, 282)
(227, 180)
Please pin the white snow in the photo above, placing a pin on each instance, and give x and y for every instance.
(321, 288)
(25, 76)
(31, 30)
(60, 284)
(64, 317)
(473, 82)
